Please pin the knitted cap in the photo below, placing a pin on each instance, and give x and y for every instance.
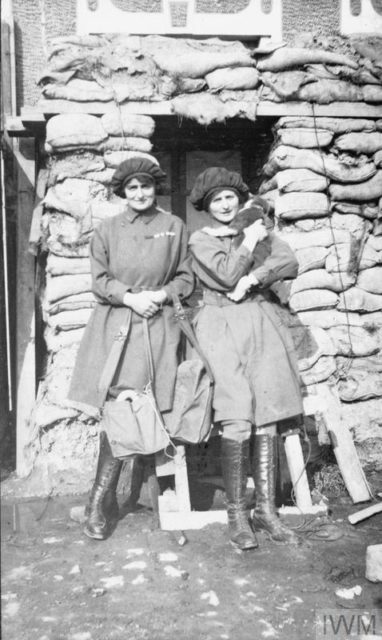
(213, 180)
(133, 167)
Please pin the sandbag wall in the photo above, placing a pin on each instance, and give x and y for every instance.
(210, 80)
(81, 161)
(324, 177)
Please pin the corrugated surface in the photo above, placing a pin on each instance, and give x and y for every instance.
(36, 21)
(322, 16)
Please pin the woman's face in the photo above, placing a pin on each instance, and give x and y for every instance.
(140, 194)
(224, 206)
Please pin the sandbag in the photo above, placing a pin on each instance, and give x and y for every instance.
(71, 303)
(308, 224)
(102, 210)
(74, 165)
(321, 279)
(269, 185)
(368, 211)
(327, 91)
(372, 93)
(103, 177)
(328, 318)
(70, 319)
(194, 59)
(121, 123)
(350, 257)
(378, 158)
(73, 192)
(233, 78)
(371, 280)
(63, 286)
(362, 192)
(190, 85)
(291, 206)
(76, 129)
(57, 384)
(289, 57)
(360, 385)
(116, 143)
(313, 299)
(57, 341)
(47, 415)
(299, 180)
(371, 363)
(305, 138)
(58, 266)
(204, 108)
(357, 225)
(356, 299)
(69, 250)
(64, 229)
(337, 125)
(287, 157)
(375, 242)
(360, 142)
(79, 91)
(285, 84)
(320, 371)
(114, 158)
(319, 238)
(353, 341)
(311, 258)
(323, 346)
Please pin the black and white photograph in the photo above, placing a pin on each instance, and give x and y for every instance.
(191, 320)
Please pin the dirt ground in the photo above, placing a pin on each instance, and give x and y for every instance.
(143, 584)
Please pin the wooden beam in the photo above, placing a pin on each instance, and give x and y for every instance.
(26, 378)
(32, 118)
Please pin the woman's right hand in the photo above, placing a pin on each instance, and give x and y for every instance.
(142, 303)
(254, 234)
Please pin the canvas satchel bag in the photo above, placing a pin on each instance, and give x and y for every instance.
(132, 422)
(190, 420)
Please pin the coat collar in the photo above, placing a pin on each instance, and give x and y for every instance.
(146, 216)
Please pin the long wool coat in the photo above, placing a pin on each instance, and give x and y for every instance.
(250, 350)
(132, 252)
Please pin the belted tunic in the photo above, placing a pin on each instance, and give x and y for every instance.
(249, 348)
(133, 252)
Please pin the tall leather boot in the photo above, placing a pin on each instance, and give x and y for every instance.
(102, 512)
(264, 474)
(234, 457)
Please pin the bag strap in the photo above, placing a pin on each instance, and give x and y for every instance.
(186, 327)
(113, 358)
(149, 354)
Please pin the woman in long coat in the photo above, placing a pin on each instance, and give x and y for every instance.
(138, 261)
(248, 347)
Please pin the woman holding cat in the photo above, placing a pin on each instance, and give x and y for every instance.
(248, 347)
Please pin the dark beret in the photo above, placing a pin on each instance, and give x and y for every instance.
(133, 167)
(214, 179)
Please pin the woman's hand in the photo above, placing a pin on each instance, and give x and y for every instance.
(242, 287)
(145, 303)
(254, 234)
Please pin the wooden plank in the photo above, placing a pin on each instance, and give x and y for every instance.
(365, 513)
(181, 480)
(183, 521)
(297, 471)
(45, 108)
(329, 406)
(26, 375)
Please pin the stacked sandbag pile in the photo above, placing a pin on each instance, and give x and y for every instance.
(209, 80)
(324, 178)
(83, 151)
